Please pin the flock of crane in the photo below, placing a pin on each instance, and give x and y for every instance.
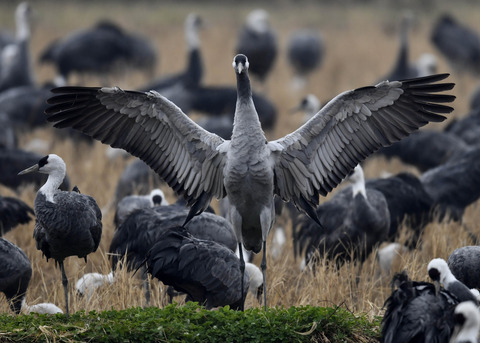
(204, 255)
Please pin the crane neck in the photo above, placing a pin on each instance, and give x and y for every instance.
(246, 119)
(55, 179)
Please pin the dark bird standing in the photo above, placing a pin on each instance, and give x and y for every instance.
(67, 223)
(459, 44)
(305, 52)
(257, 40)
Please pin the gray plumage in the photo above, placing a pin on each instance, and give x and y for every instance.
(426, 149)
(248, 169)
(454, 185)
(305, 53)
(459, 44)
(15, 274)
(12, 213)
(207, 271)
(15, 64)
(67, 223)
(137, 177)
(137, 234)
(408, 203)
(258, 41)
(99, 49)
(416, 312)
(354, 221)
(142, 229)
(131, 203)
(464, 263)
(179, 87)
(8, 135)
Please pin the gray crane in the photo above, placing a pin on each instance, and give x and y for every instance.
(208, 272)
(355, 220)
(247, 168)
(67, 223)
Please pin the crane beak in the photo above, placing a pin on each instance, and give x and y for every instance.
(29, 170)
(437, 287)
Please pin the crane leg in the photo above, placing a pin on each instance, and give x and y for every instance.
(65, 285)
(242, 274)
(146, 286)
(263, 265)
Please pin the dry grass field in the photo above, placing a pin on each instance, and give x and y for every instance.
(361, 46)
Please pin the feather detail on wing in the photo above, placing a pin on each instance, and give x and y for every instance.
(150, 127)
(316, 157)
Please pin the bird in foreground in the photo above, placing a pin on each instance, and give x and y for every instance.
(440, 273)
(208, 272)
(417, 312)
(67, 223)
(247, 168)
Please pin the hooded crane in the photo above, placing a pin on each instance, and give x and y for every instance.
(178, 87)
(134, 202)
(67, 223)
(247, 168)
(417, 312)
(139, 231)
(355, 220)
(258, 40)
(440, 274)
(207, 271)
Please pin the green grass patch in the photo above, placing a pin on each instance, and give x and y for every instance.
(192, 323)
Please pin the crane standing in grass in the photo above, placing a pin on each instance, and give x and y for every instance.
(247, 168)
(67, 223)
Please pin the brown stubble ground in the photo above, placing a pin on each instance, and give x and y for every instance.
(360, 49)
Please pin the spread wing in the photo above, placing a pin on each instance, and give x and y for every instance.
(151, 127)
(316, 157)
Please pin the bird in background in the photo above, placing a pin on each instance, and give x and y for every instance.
(257, 40)
(250, 170)
(305, 52)
(67, 223)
